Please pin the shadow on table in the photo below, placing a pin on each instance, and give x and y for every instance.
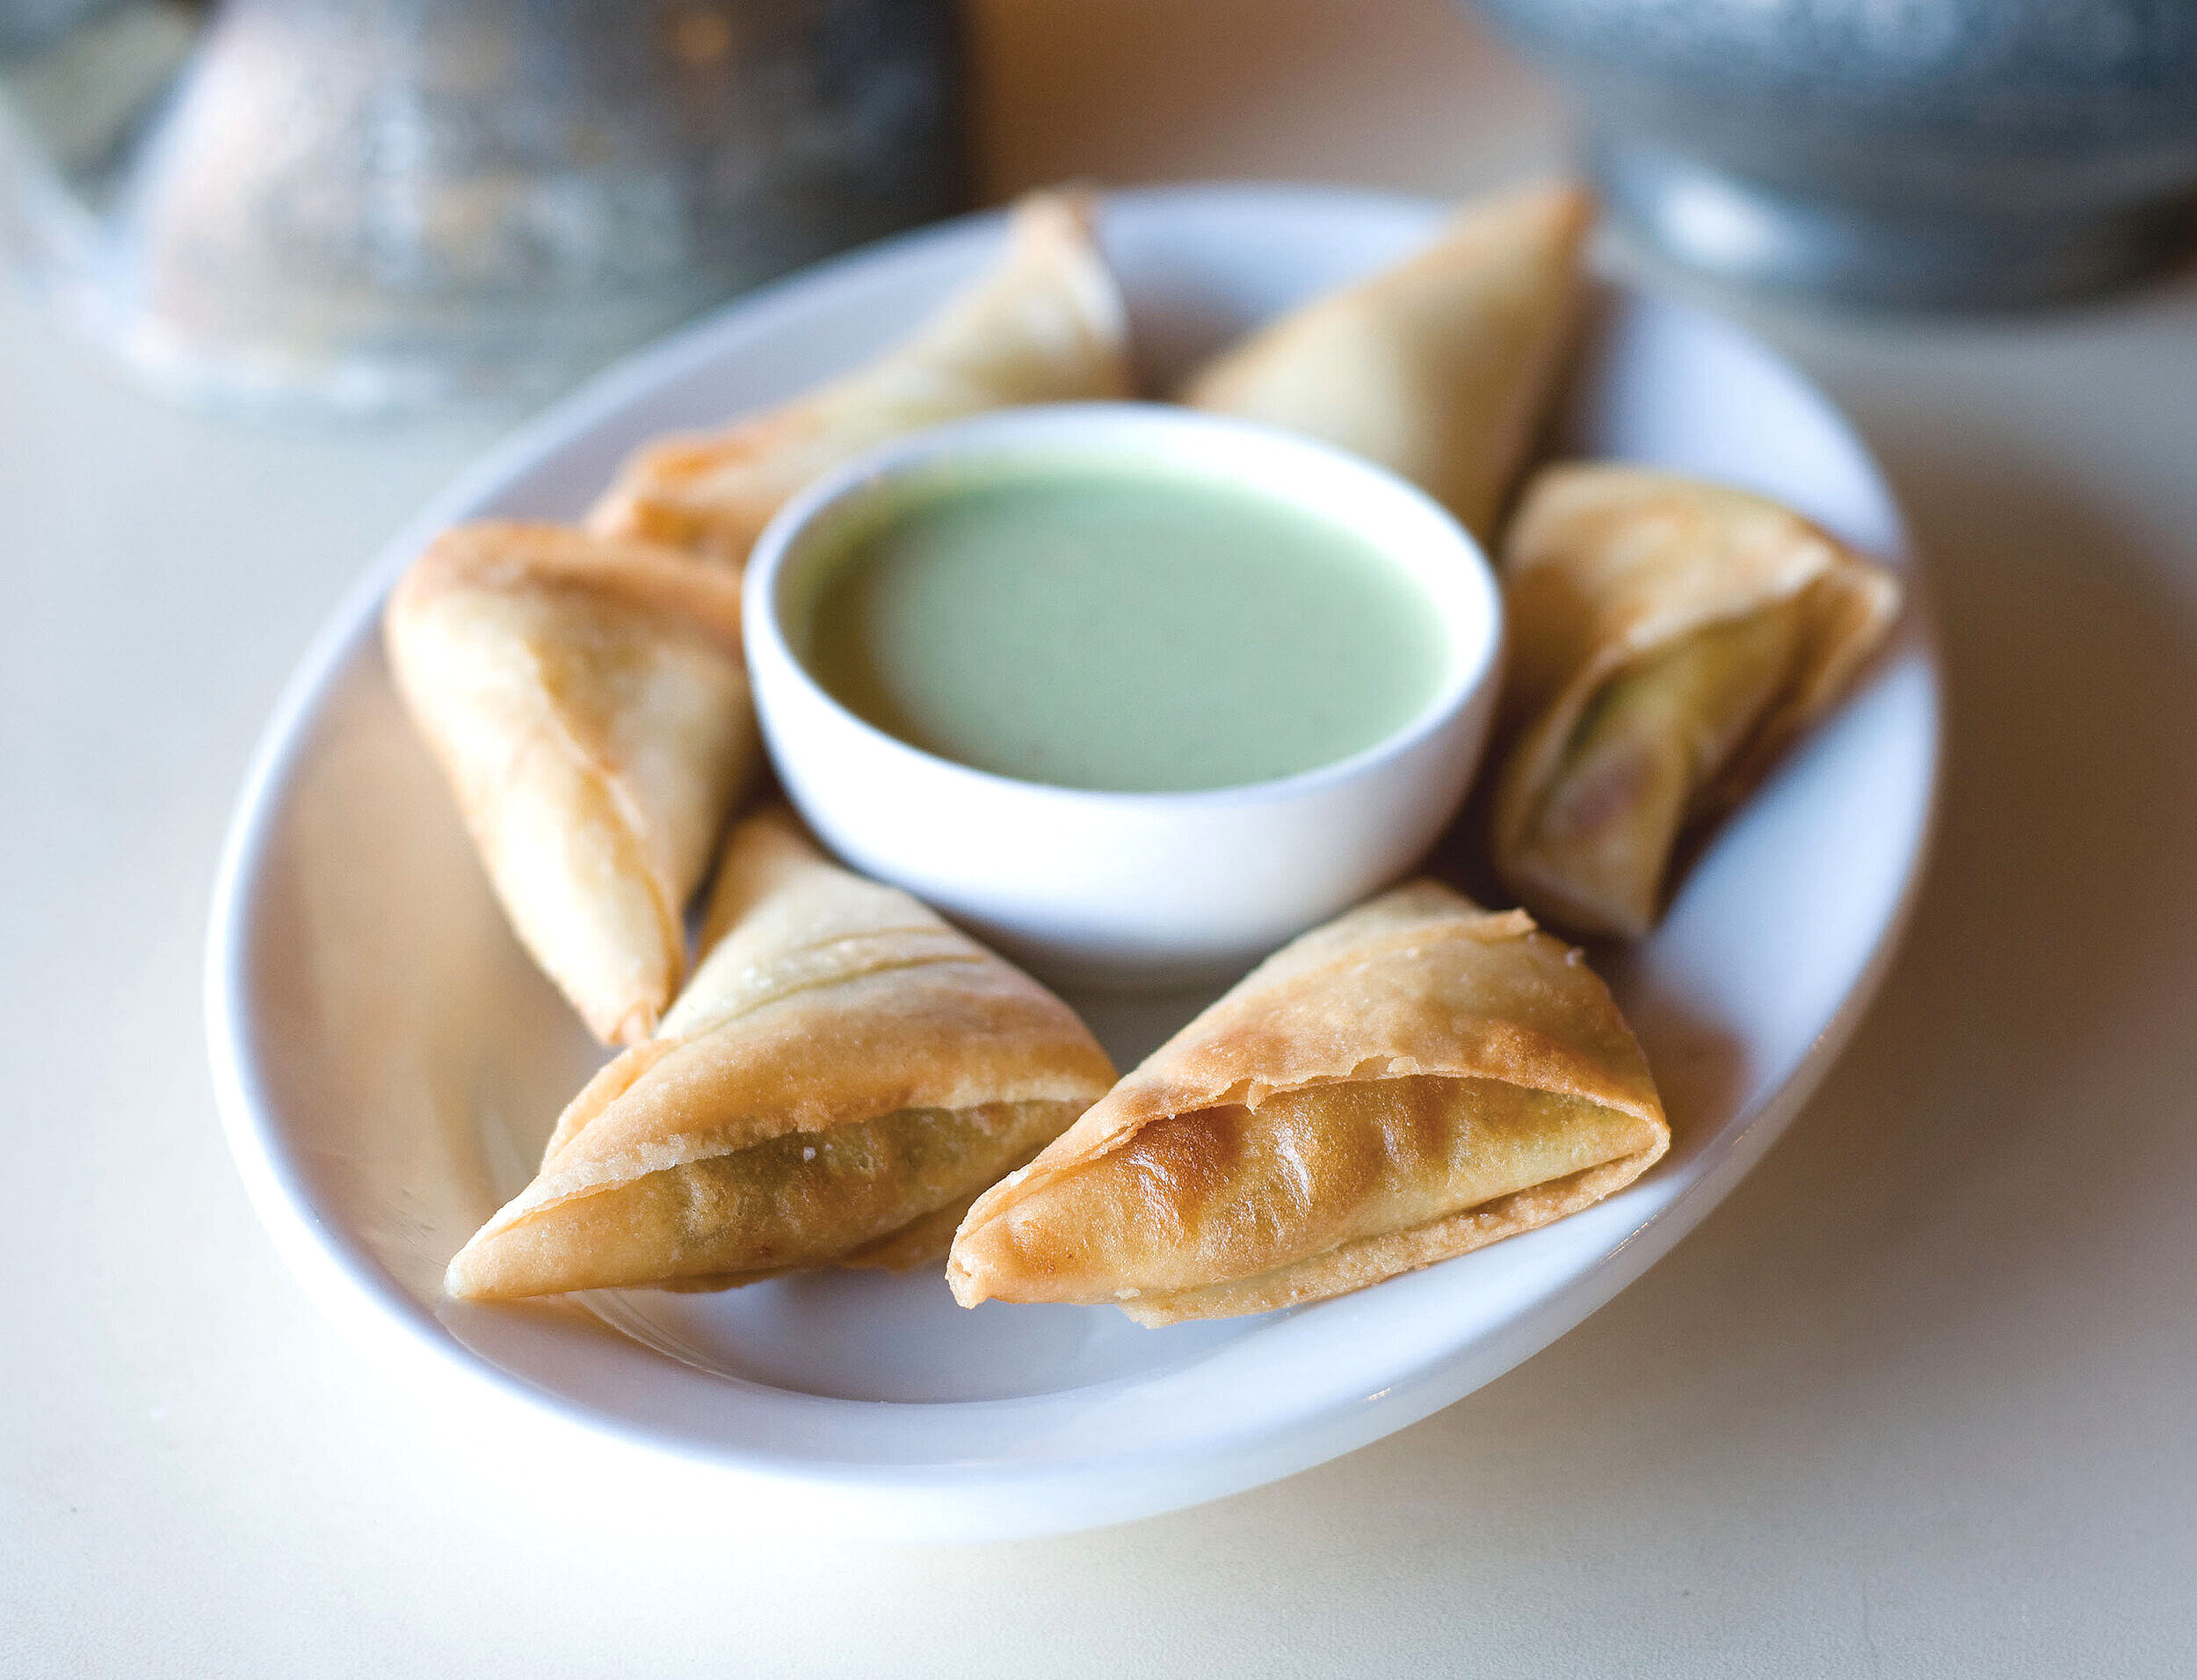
(2007, 1138)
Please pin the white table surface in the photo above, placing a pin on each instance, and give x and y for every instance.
(1920, 1399)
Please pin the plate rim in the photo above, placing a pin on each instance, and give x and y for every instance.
(898, 1500)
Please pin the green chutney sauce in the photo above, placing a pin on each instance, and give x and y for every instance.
(1124, 630)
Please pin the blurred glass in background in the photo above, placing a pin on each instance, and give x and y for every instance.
(371, 205)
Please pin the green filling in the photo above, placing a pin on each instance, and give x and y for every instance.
(1643, 749)
(800, 1198)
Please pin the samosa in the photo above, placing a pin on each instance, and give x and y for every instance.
(1045, 323)
(844, 1074)
(1417, 1078)
(1439, 368)
(589, 704)
(1669, 639)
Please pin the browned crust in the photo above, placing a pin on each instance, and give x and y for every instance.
(712, 493)
(1356, 1265)
(1607, 563)
(1440, 367)
(921, 1243)
(512, 554)
(1419, 982)
(829, 999)
(619, 965)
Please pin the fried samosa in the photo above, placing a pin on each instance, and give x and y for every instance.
(1438, 369)
(1045, 325)
(1417, 1078)
(842, 1075)
(589, 704)
(1669, 639)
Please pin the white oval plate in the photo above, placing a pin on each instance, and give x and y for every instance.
(389, 1061)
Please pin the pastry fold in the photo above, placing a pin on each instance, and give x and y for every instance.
(1044, 324)
(1668, 640)
(844, 1073)
(1417, 1078)
(1440, 368)
(589, 704)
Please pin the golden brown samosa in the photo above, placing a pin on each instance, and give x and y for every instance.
(1668, 639)
(1044, 324)
(1440, 368)
(589, 704)
(844, 1073)
(1415, 1079)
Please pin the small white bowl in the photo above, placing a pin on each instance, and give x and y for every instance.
(1126, 889)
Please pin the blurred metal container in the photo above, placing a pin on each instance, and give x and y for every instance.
(1911, 152)
(373, 204)
(32, 23)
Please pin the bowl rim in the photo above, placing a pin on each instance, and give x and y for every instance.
(1009, 434)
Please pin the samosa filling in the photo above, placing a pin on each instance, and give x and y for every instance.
(799, 1199)
(1644, 749)
(1226, 1193)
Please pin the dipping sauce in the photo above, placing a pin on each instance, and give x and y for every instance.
(1122, 629)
